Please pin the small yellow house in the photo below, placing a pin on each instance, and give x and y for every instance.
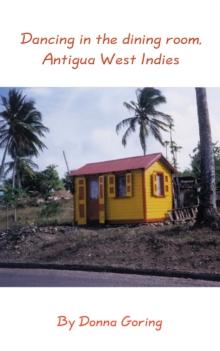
(130, 190)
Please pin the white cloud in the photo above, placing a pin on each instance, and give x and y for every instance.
(82, 122)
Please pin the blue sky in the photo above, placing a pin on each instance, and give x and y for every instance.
(82, 123)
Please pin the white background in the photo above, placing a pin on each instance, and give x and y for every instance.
(191, 319)
(191, 316)
(21, 64)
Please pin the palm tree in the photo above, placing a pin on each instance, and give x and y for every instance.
(207, 212)
(145, 117)
(24, 166)
(21, 128)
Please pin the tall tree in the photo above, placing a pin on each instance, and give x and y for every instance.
(44, 182)
(24, 168)
(195, 169)
(146, 117)
(207, 212)
(21, 128)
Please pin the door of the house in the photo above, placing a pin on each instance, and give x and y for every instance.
(93, 198)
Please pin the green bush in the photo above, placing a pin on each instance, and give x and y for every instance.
(50, 209)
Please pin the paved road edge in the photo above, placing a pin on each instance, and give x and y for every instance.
(110, 269)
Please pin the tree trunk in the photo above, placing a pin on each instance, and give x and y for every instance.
(207, 212)
(18, 180)
(3, 161)
(7, 224)
(14, 173)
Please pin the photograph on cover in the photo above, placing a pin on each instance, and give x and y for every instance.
(109, 186)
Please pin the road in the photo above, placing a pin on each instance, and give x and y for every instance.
(62, 278)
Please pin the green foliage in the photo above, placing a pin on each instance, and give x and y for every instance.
(68, 183)
(195, 163)
(22, 125)
(50, 209)
(48, 181)
(187, 173)
(21, 131)
(44, 182)
(145, 117)
(24, 168)
(11, 195)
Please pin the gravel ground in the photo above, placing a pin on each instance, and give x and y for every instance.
(161, 247)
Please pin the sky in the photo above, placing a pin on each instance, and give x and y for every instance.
(82, 123)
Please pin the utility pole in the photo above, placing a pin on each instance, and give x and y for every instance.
(67, 166)
(166, 143)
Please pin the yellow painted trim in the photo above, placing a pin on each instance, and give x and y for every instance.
(111, 186)
(81, 210)
(128, 178)
(101, 199)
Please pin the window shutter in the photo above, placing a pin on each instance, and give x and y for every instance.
(111, 186)
(101, 199)
(128, 184)
(166, 185)
(154, 184)
(162, 184)
(81, 200)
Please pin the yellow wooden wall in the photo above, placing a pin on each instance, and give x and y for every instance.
(116, 209)
(157, 207)
(135, 207)
(128, 208)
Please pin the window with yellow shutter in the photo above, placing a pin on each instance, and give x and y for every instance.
(120, 185)
(166, 185)
(111, 186)
(157, 184)
(129, 184)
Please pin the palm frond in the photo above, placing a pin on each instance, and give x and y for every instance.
(156, 133)
(127, 133)
(131, 121)
(165, 117)
(129, 106)
(3, 141)
(21, 127)
(160, 124)
(146, 116)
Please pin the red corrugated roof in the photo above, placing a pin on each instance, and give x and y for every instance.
(123, 164)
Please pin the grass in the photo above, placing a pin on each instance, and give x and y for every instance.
(35, 215)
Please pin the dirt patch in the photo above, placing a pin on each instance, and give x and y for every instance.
(169, 247)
